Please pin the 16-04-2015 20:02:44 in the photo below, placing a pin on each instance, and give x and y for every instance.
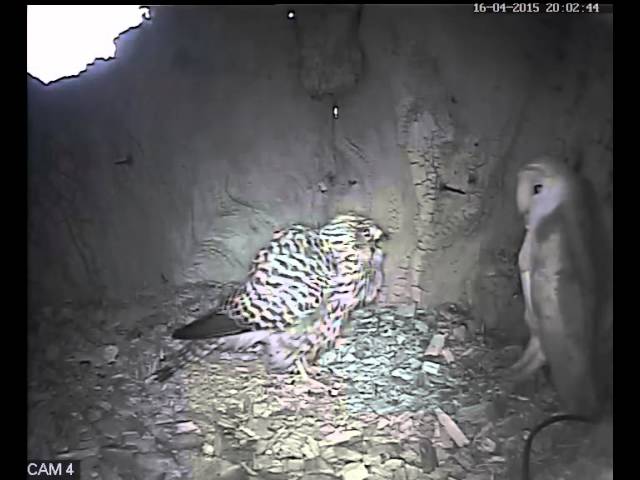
(536, 7)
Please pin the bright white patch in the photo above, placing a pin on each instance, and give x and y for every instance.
(63, 39)
(291, 14)
(335, 112)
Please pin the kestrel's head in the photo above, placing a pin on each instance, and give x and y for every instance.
(367, 230)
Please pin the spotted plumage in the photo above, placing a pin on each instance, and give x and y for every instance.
(358, 267)
(298, 294)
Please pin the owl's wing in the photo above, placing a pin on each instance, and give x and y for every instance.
(563, 304)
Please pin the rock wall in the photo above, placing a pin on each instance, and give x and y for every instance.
(214, 125)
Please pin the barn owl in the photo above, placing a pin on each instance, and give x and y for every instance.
(565, 274)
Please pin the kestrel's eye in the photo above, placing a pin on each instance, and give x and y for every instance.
(537, 188)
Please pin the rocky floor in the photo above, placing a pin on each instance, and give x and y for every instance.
(411, 395)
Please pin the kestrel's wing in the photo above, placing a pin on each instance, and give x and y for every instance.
(563, 305)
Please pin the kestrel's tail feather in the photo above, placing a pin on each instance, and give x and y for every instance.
(209, 325)
(197, 350)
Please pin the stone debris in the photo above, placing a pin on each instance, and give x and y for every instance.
(476, 413)
(460, 333)
(452, 429)
(407, 310)
(336, 438)
(436, 345)
(109, 354)
(448, 355)
(428, 456)
(374, 410)
(486, 445)
(187, 427)
(318, 466)
(208, 449)
(354, 471)
(431, 368)
(333, 454)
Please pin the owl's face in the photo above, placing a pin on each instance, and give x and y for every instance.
(530, 183)
(542, 187)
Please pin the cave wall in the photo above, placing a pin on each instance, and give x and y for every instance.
(214, 126)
